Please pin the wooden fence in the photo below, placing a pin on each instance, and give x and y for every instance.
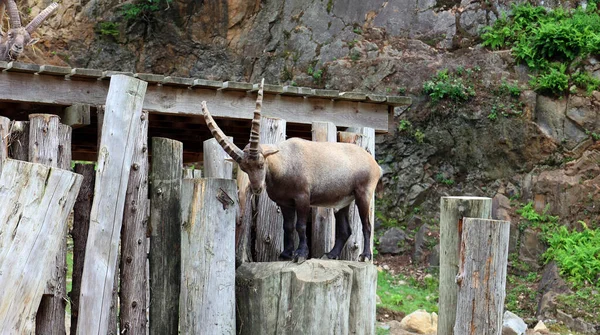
(139, 268)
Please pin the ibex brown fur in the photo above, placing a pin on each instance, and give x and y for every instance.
(17, 38)
(298, 174)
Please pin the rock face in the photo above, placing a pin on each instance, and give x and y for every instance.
(392, 241)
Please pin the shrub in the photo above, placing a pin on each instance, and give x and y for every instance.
(444, 85)
(143, 8)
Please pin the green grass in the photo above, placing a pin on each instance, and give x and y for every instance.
(69, 271)
(406, 295)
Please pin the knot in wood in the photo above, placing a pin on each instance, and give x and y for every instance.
(159, 191)
(129, 259)
(144, 148)
(135, 166)
(143, 116)
(268, 239)
(139, 241)
(355, 246)
(134, 304)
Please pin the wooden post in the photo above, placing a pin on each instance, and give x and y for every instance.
(354, 245)
(315, 297)
(122, 119)
(4, 138)
(244, 222)
(323, 219)
(19, 146)
(133, 239)
(76, 116)
(217, 163)
(31, 236)
(191, 173)
(208, 256)
(81, 225)
(482, 277)
(269, 221)
(43, 139)
(452, 212)
(165, 235)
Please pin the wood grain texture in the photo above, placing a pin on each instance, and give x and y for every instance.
(452, 212)
(208, 257)
(43, 139)
(19, 87)
(482, 277)
(81, 225)
(217, 163)
(31, 236)
(323, 219)
(133, 239)
(314, 297)
(245, 223)
(269, 221)
(122, 119)
(165, 235)
(4, 138)
(19, 141)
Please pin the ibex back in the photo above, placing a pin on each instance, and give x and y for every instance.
(298, 174)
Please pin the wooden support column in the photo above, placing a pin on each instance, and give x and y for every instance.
(76, 116)
(122, 119)
(81, 225)
(133, 239)
(354, 245)
(165, 235)
(245, 221)
(30, 236)
(452, 212)
(191, 173)
(482, 277)
(269, 221)
(4, 138)
(19, 146)
(217, 163)
(323, 219)
(208, 256)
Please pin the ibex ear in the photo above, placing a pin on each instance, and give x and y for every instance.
(269, 152)
(32, 41)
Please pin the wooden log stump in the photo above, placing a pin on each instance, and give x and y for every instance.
(30, 236)
(217, 163)
(133, 239)
(452, 212)
(315, 297)
(208, 256)
(482, 277)
(323, 219)
(165, 235)
(4, 139)
(121, 121)
(269, 221)
(245, 221)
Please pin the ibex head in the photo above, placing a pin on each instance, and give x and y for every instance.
(17, 37)
(252, 159)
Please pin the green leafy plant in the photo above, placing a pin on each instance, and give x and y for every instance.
(445, 85)
(142, 9)
(108, 28)
(554, 81)
(402, 294)
(404, 125)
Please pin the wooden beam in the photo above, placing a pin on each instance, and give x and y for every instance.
(46, 89)
(76, 116)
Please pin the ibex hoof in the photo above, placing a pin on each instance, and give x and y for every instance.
(300, 259)
(327, 256)
(364, 258)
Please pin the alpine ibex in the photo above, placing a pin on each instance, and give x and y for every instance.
(298, 174)
(17, 38)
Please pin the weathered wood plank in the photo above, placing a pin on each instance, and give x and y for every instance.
(20, 87)
(81, 224)
(217, 163)
(452, 212)
(76, 116)
(50, 318)
(208, 256)
(323, 219)
(4, 138)
(190, 173)
(133, 239)
(30, 236)
(165, 235)
(269, 221)
(121, 120)
(19, 141)
(481, 278)
(43, 139)
(244, 246)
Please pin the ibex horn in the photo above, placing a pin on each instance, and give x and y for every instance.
(2, 10)
(255, 131)
(41, 17)
(13, 13)
(230, 148)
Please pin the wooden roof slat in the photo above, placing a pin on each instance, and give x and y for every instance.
(22, 67)
(237, 86)
(86, 73)
(54, 70)
(294, 90)
(274, 89)
(353, 96)
(178, 81)
(332, 94)
(204, 83)
(150, 78)
(398, 101)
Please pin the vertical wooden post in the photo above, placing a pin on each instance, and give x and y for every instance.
(30, 236)
(217, 163)
(133, 239)
(122, 119)
(165, 235)
(323, 219)
(208, 256)
(269, 221)
(191, 173)
(81, 225)
(452, 212)
(4, 137)
(43, 139)
(19, 146)
(482, 277)
(354, 245)
(244, 221)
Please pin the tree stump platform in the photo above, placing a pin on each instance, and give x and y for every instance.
(315, 297)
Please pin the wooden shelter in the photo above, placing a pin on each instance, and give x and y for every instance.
(75, 94)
